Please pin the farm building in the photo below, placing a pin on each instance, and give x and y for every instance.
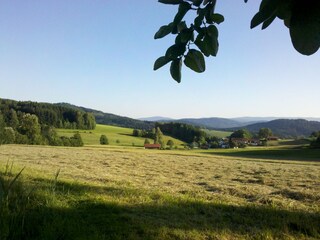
(152, 146)
(246, 141)
(272, 138)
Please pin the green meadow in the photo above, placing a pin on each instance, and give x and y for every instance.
(118, 192)
(216, 133)
(302, 154)
(117, 136)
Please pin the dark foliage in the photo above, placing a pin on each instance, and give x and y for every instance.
(20, 123)
(184, 132)
(315, 143)
(104, 140)
(48, 114)
(111, 119)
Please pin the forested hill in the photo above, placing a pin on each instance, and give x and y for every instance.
(211, 123)
(112, 119)
(47, 114)
(287, 127)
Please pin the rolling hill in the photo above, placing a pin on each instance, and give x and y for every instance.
(212, 123)
(280, 127)
(287, 128)
(112, 119)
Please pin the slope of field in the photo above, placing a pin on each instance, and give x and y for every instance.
(113, 193)
(116, 136)
(216, 133)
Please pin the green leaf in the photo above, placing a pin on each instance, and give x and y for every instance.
(305, 27)
(198, 21)
(195, 61)
(267, 9)
(268, 22)
(181, 26)
(217, 18)
(175, 69)
(197, 3)
(209, 12)
(160, 62)
(163, 31)
(174, 29)
(213, 31)
(184, 7)
(175, 51)
(186, 36)
(173, 2)
(203, 47)
(284, 9)
(212, 45)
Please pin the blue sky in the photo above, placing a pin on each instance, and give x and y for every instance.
(100, 54)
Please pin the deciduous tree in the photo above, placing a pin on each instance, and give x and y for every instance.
(31, 128)
(200, 38)
(170, 143)
(241, 133)
(265, 133)
(104, 140)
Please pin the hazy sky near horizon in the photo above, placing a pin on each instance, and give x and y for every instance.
(99, 54)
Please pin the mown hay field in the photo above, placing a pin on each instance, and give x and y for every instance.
(117, 193)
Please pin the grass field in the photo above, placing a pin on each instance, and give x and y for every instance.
(216, 133)
(272, 153)
(116, 135)
(132, 193)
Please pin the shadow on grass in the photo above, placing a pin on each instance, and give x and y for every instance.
(299, 154)
(153, 216)
(126, 134)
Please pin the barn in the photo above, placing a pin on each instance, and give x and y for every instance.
(152, 146)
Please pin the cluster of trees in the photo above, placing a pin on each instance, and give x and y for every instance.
(49, 114)
(181, 131)
(315, 134)
(263, 133)
(315, 143)
(114, 120)
(192, 135)
(144, 133)
(155, 134)
(25, 128)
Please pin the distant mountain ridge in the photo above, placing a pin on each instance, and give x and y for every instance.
(212, 123)
(287, 128)
(156, 119)
(280, 127)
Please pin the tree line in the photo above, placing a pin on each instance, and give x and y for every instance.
(48, 114)
(184, 132)
(25, 128)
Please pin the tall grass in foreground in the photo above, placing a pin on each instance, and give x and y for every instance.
(64, 210)
(13, 204)
(18, 202)
(104, 194)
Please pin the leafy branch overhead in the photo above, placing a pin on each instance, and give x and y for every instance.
(192, 42)
(200, 38)
(302, 17)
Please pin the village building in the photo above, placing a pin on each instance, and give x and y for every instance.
(152, 146)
